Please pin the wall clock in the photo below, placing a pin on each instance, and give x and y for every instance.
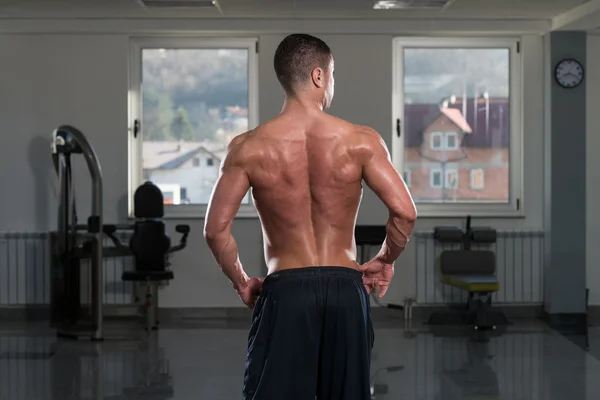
(569, 73)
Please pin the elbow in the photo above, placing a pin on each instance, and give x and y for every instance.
(407, 214)
(212, 235)
(403, 220)
(411, 215)
(208, 235)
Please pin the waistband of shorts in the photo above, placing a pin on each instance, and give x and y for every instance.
(314, 272)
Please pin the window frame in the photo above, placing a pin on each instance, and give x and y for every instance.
(446, 136)
(473, 173)
(432, 136)
(515, 205)
(448, 172)
(431, 173)
(135, 168)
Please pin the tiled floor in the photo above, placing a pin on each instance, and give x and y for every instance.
(205, 361)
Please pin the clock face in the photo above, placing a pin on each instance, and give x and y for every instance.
(569, 73)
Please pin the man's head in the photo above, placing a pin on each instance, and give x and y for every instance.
(304, 64)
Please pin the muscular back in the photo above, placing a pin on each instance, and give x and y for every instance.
(306, 183)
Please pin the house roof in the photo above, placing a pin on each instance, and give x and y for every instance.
(488, 129)
(171, 155)
(457, 118)
(237, 111)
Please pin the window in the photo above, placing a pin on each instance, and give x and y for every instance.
(183, 195)
(435, 178)
(465, 94)
(189, 97)
(436, 140)
(171, 193)
(444, 141)
(451, 141)
(477, 179)
(451, 181)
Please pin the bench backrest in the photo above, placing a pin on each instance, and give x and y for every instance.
(468, 262)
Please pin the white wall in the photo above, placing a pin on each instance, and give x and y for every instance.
(51, 80)
(82, 80)
(593, 167)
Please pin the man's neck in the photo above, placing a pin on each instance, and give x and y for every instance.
(304, 103)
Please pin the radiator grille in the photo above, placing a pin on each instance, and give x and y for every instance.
(519, 268)
(25, 272)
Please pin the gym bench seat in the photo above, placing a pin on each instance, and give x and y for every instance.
(472, 283)
(473, 271)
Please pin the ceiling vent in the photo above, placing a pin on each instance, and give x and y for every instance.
(181, 3)
(410, 4)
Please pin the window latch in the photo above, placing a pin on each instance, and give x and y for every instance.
(136, 128)
(398, 128)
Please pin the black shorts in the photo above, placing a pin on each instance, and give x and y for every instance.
(311, 336)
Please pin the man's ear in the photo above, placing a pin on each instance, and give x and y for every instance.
(318, 77)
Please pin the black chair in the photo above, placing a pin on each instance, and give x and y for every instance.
(151, 247)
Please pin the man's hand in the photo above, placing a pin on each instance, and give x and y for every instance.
(377, 275)
(249, 293)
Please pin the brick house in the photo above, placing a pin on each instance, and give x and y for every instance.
(452, 157)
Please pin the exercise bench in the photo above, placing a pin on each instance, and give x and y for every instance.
(473, 271)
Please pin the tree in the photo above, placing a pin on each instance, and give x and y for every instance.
(157, 115)
(181, 127)
(208, 124)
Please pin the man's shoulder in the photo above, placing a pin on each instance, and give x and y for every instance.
(246, 146)
(366, 132)
(237, 149)
(351, 128)
(237, 141)
(369, 143)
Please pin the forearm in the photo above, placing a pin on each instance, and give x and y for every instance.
(398, 231)
(225, 251)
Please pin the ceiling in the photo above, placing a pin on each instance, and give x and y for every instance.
(482, 9)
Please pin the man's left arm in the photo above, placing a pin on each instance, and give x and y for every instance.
(229, 191)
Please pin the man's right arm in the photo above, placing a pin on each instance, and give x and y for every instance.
(382, 177)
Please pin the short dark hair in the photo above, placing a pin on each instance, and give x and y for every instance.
(297, 56)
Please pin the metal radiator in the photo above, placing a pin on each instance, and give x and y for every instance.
(519, 268)
(25, 272)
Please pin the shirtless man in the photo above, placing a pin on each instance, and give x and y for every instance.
(311, 333)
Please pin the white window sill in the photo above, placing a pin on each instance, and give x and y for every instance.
(461, 210)
(198, 211)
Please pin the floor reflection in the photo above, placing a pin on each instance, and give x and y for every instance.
(527, 361)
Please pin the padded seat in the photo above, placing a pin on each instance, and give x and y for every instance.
(152, 276)
(471, 270)
(472, 283)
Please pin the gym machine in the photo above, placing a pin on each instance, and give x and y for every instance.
(74, 242)
(150, 246)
